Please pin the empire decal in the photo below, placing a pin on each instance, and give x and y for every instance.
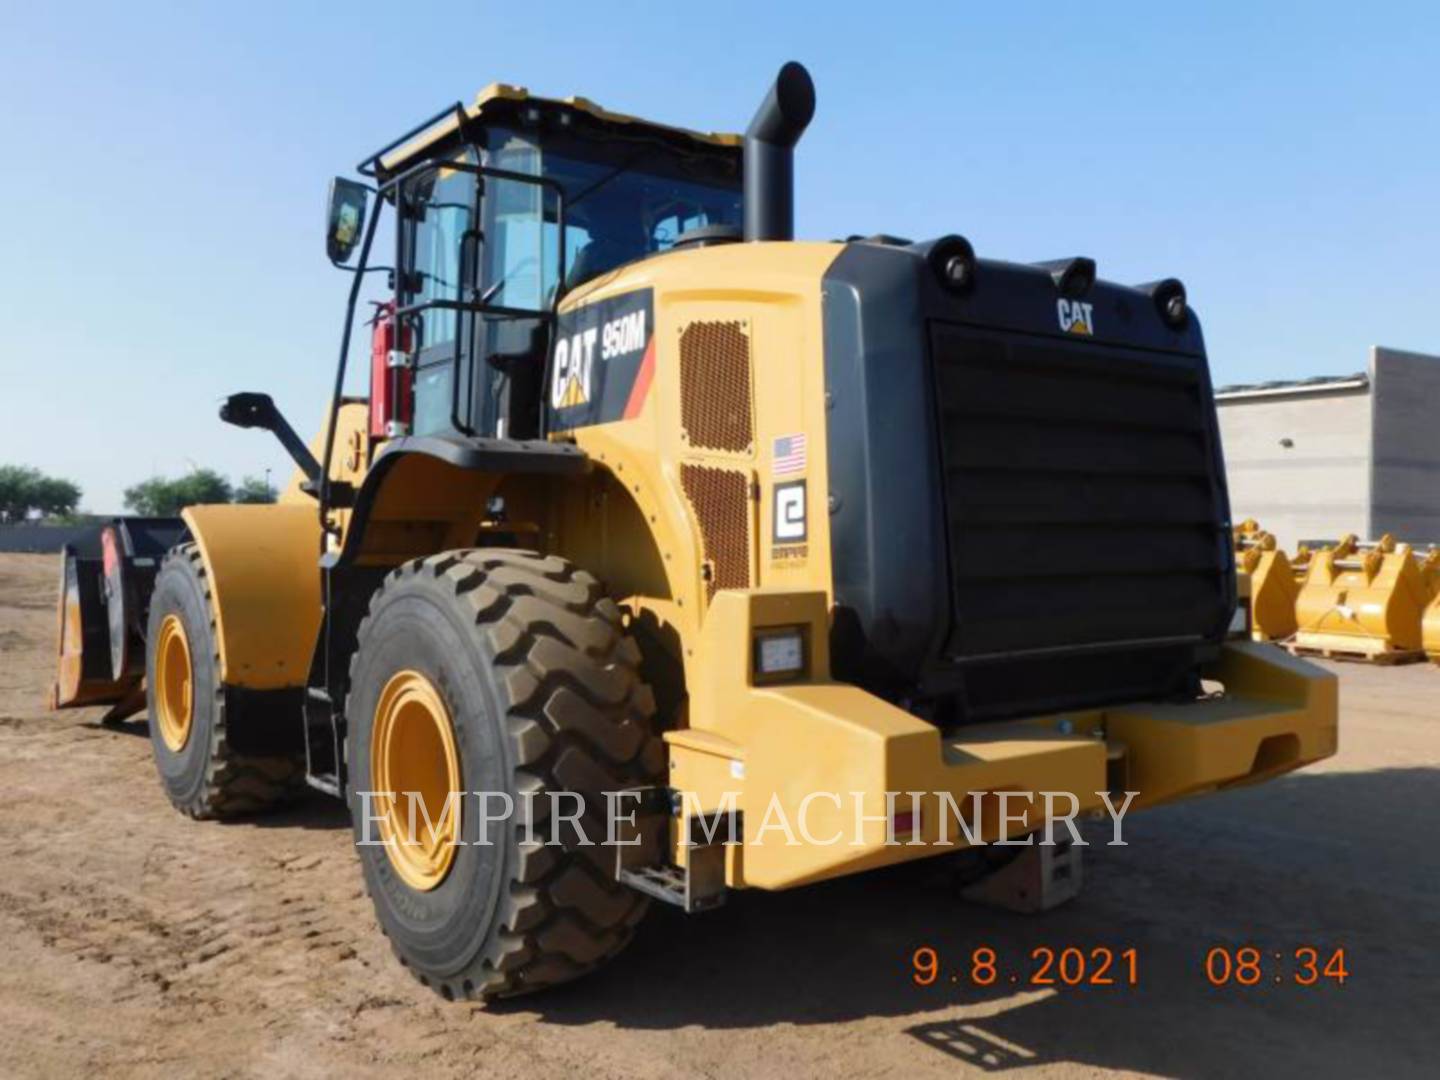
(603, 362)
(787, 526)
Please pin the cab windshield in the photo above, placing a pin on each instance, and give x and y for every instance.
(622, 203)
(479, 243)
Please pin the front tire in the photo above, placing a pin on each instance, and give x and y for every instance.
(201, 773)
(509, 672)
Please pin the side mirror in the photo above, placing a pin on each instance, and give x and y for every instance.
(345, 218)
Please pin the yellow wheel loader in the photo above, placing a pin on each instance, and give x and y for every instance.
(774, 560)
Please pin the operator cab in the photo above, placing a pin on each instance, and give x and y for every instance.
(503, 207)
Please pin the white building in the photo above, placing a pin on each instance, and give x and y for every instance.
(1316, 459)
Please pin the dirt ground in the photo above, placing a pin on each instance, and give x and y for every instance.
(137, 943)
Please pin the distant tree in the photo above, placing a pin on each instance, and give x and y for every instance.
(154, 497)
(80, 518)
(254, 489)
(160, 496)
(17, 486)
(25, 491)
(55, 497)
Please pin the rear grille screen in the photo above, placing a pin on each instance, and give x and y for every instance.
(1083, 514)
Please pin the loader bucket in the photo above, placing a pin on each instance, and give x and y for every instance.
(106, 577)
(1300, 564)
(1273, 588)
(1364, 601)
(1430, 629)
(1430, 569)
(1430, 620)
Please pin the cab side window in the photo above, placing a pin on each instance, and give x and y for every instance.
(439, 210)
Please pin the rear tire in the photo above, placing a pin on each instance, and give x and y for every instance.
(541, 686)
(199, 771)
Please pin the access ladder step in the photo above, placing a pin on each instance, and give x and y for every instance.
(641, 848)
(674, 885)
(326, 782)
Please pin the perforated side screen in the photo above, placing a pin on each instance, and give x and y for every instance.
(715, 386)
(720, 498)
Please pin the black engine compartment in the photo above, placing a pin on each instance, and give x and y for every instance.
(1029, 511)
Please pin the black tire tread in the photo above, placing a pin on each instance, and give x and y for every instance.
(578, 716)
(236, 785)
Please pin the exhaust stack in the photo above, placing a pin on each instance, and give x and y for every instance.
(770, 154)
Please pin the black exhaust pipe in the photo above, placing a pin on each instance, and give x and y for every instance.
(770, 154)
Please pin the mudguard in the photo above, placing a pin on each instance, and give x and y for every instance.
(263, 565)
(426, 494)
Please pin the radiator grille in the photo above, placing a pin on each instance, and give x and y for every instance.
(715, 386)
(720, 499)
(1083, 515)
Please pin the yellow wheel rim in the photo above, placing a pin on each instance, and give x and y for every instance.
(174, 684)
(415, 767)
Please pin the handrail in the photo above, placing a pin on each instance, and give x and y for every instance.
(392, 185)
(338, 395)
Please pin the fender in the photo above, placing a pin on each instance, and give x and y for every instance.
(263, 565)
(427, 494)
(420, 495)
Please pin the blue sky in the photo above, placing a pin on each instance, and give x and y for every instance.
(166, 165)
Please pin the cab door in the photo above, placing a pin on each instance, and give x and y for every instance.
(438, 235)
(477, 294)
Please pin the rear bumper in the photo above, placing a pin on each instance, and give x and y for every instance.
(1277, 713)
(809, 766)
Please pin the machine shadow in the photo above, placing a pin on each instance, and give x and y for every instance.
(138, 728)
(310, 810)
(1277, 866)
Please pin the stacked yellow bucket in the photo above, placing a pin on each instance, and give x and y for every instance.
(1365, 600)
(1273, 586)
(1430, 621)
(1375, 600)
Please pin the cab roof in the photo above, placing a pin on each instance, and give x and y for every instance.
(500, 100)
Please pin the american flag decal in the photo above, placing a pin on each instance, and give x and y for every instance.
(789, 455)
